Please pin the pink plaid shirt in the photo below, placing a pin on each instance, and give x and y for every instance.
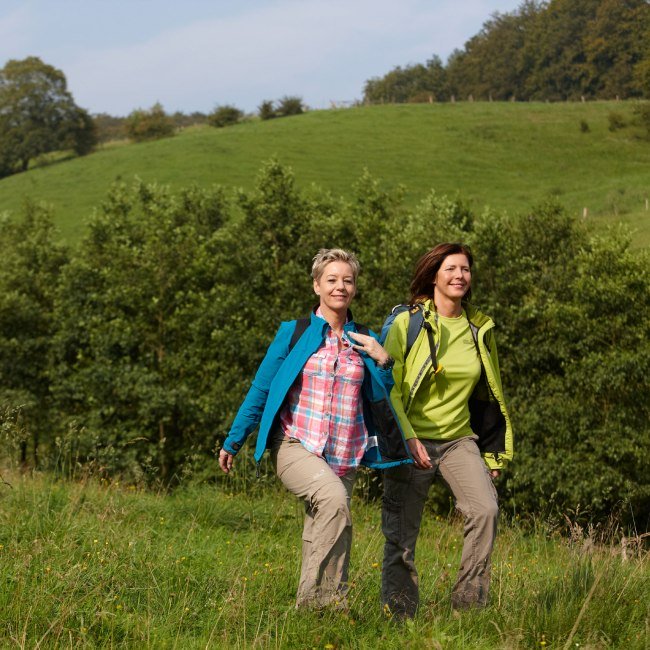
(324, 409)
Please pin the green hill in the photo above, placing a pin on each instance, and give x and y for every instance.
(509, 156)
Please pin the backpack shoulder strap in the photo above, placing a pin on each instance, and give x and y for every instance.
(301, 325)
(416, 320)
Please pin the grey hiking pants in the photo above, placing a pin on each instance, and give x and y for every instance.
(462, 469)
(327, 531)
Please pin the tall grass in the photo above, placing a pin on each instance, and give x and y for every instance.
(93, 563)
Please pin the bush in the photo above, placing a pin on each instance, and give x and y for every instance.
(225, 115)
(290, 105)
(584, 126)
(266, 110)
(152, 124)
(150, 346)
(642, 111)
(616, 121)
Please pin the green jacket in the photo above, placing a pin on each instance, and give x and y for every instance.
(488, 414)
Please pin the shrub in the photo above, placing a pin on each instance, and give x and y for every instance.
(616, 121)
(584, 126)
(266, 110)
(642, 111)
(290, 105)
(149, 124)
(225, 115)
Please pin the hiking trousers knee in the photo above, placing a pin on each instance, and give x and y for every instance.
(461, 468)
(327, 530)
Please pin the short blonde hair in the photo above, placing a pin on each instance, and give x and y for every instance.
(327, 255)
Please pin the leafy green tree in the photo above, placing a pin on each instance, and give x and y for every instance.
(225, 115)
(38, 115)
(493, 64)
(134, 357)
(151, 124)
(32, 262)
(266, 110)
(615, 45)
(290, 105)
(412, 83)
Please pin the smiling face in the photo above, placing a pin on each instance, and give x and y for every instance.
(336, 287)
(454, 278)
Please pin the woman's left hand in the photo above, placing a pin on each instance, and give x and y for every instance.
(369, 345)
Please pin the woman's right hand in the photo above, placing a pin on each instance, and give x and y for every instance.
(419, 453)
(225, 461)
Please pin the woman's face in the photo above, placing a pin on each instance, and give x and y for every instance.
(454, 277)
(336, 286)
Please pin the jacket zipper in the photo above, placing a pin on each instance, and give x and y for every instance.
(416, 383)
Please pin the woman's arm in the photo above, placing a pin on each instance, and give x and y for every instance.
(250, 412)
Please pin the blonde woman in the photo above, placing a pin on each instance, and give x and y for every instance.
(320, 402)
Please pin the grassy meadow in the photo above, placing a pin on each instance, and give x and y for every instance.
(509, 156)
(96, 564)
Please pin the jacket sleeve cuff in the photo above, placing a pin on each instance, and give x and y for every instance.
(231, 447)
(492, 463)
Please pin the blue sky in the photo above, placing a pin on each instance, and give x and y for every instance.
(191, 55)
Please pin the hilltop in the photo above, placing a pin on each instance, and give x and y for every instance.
(509, 156)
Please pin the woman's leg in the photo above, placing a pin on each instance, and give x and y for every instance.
(327, 532)
(405, 492)
(468, 478)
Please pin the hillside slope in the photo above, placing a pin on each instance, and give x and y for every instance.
(506, 155)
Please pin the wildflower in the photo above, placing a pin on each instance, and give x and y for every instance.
(375, 565)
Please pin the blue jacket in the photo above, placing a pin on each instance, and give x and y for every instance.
(275, 376)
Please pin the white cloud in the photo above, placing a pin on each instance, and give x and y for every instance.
(320, 49)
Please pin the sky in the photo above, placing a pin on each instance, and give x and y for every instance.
(192, 55)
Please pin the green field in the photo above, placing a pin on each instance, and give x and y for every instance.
(94, 564)
(509, 156)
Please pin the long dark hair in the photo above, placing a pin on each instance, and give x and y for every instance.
(428, 266)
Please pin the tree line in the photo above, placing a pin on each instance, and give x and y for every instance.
(557, 50)
(129, 354)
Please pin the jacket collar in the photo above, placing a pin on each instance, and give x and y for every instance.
(319, 321)
(474, 315)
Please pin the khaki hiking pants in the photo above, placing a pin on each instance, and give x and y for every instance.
(327, 531)
(462, 469)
